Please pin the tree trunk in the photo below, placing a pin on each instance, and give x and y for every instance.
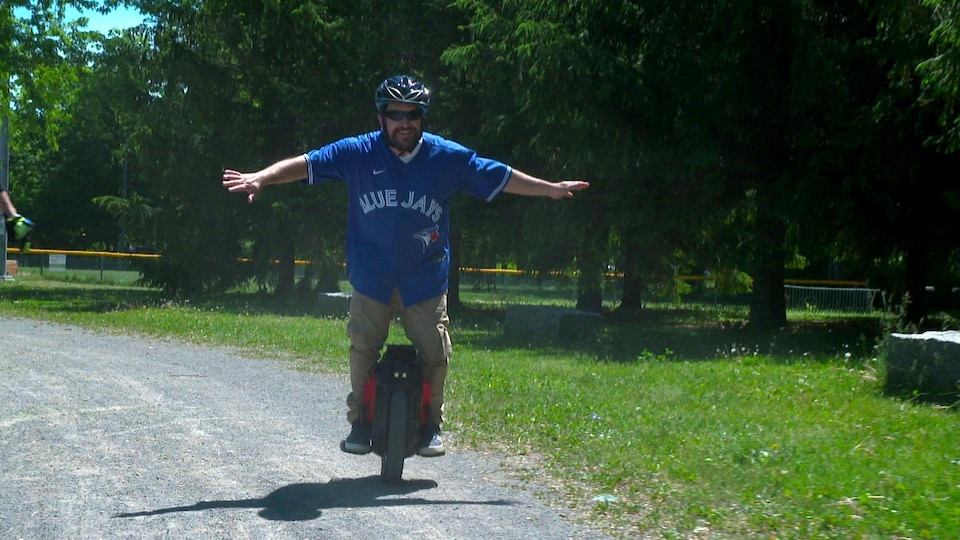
(768, 306)
(284, 144)
(592, 259)
(286, 252)
(915, 260)
(453, 290)
(632, 299)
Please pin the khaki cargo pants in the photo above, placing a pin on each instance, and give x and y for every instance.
(425, 325)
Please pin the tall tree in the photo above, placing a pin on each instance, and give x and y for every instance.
(228, 86)
(42, 59)
(941, 69)
(905, 215)
(560, 91)
(244, 84)
(763, 82)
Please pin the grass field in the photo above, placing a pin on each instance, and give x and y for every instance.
(678, 423)
(104, 277)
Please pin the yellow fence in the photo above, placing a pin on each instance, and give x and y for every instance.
(109, 254)
(469, 270)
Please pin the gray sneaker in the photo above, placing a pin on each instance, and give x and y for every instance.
(430, 443)
(358, 441)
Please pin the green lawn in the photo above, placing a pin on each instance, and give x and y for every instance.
(92, 276)
(676, 424)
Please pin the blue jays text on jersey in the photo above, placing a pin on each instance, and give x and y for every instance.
(398, 225)
(388, 198)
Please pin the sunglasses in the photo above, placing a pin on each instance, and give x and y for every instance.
(395, 115)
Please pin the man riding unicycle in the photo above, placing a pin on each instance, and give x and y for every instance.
(401, 180)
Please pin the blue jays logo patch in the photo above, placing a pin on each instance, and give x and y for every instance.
(428, 236)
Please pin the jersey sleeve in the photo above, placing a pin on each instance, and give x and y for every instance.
(488, 177)
(471, 173)
(332, 162)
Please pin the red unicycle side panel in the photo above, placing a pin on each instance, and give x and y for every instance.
(369, 399)
(425, 394)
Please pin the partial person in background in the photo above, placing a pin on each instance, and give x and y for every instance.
(18, 227)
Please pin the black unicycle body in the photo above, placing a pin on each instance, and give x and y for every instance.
(396, 402)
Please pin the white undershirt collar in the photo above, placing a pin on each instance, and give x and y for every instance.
(413, 153)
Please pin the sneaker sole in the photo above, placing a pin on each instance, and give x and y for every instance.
(355, 449)
(431, 452)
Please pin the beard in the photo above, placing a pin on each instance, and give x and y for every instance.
(404, 141)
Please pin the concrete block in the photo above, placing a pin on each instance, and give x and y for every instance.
(334, 304)
(552, 323)
(927, 363)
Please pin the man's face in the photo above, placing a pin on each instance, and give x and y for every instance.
(403, 133)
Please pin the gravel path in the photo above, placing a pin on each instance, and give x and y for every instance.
(104, 436)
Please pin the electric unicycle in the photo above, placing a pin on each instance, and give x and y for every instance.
(396, 402)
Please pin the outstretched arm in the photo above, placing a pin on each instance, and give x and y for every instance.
(521, 183)
(6, 205)
(281, 172)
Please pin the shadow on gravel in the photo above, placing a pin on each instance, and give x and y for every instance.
(302, 502)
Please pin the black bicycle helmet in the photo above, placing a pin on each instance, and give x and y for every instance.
(402, 89)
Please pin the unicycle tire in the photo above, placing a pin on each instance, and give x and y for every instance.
(391, 463)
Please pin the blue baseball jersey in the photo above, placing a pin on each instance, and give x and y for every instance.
(398, 223)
